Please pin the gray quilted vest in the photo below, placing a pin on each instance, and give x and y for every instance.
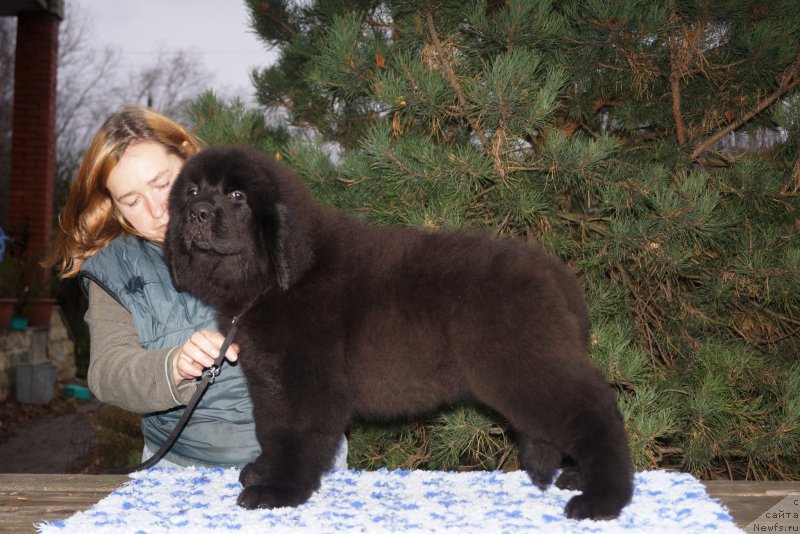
(221, 430)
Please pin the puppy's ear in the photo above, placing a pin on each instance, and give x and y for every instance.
(289, 246)
(175, 259)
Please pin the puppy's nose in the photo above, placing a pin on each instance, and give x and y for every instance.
(201, 212)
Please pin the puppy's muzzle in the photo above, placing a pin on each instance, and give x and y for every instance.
(199, 226)
(201, 213)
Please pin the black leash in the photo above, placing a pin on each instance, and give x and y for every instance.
(209, 375)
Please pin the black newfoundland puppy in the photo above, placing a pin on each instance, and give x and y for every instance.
(341, 318)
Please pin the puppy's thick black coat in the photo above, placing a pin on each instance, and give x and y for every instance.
(350, 319)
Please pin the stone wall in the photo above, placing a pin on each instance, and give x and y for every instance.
(51, 344)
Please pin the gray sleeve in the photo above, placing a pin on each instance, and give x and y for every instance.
(123, 373)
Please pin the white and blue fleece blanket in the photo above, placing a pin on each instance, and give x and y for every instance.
(199, 500)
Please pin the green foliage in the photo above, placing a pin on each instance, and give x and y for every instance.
(599, 129)
(461, 438)
(468, 438)
(217, 123)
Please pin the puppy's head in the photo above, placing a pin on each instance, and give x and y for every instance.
(233, 231)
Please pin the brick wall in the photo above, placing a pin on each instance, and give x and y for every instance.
(34, 124)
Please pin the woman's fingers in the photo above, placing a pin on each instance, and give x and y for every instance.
(200, 352)
(211, 343)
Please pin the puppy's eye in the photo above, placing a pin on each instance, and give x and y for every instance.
(236, 195)
(192, 191)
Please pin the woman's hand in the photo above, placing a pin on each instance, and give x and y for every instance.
(199, 353)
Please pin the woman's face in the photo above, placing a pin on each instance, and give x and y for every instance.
(139, 186)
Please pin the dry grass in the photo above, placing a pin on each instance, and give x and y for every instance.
(118, 442)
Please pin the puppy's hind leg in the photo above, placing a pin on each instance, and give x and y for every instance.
(539, 458)
(605, 469)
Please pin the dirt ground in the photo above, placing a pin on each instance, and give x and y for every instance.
(52, 438)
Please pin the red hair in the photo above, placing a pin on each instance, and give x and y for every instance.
(90, 219)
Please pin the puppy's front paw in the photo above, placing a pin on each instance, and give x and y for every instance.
(594, 507)
(253, 497)
(251, 475)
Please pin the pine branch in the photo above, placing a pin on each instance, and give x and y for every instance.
(676, 70)
(675, 86)
(789, 81)
(278, 18)
(646, 311)
(793, 186)
(462, 100)
(451, 76)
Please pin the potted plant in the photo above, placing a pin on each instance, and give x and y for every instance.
(11, 284)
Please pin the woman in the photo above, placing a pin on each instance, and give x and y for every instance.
(149, 341)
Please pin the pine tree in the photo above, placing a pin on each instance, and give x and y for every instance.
(654, 146)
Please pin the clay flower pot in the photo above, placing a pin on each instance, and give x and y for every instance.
(38, 311)
(6, 311)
